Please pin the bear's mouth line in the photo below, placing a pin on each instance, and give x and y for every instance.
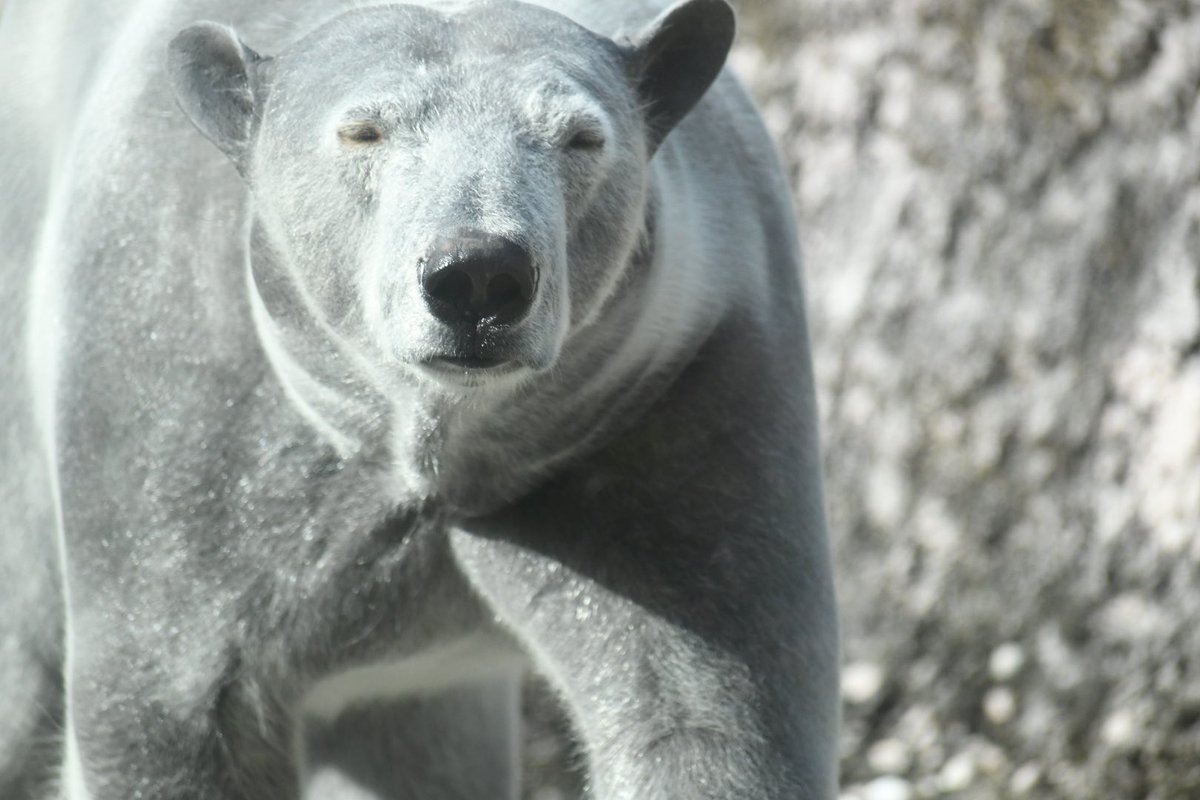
(477, 352)
(469, 362)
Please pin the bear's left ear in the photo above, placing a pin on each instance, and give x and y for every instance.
(677, 57)
(219, 83)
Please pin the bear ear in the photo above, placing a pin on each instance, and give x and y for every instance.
(677, 57)
(218, 84)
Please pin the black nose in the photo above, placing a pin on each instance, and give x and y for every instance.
(474, 276)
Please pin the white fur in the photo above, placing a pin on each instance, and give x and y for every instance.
(73, 772)
(464, 661)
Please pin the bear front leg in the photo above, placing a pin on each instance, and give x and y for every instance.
(694, 640)
(158, 706)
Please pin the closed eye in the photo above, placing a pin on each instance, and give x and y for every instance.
(359, 133)
(586, 139)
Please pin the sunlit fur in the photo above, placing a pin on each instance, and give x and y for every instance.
(253, 544)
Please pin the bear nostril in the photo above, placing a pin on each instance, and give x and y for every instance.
(450, 290)
(504, 293)
(475, 277)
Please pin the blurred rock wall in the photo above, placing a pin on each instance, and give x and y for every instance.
(1000, 206)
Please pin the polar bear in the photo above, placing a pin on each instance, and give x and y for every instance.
(362, 356)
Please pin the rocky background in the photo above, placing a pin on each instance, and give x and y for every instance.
(1000, 209)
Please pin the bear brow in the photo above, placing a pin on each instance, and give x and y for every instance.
(391, 109)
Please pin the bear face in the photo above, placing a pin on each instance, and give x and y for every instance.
(453, 193)
(371, 162)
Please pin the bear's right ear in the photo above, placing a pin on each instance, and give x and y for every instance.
(217, 83)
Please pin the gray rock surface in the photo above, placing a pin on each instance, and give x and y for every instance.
(1000, 207)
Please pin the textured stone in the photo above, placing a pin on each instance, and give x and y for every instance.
(1000, 209)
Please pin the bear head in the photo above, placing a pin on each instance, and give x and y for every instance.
(455, 192)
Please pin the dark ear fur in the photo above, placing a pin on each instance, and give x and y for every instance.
(677, 57)
(215, 78)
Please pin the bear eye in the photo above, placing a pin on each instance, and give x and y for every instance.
(360, 133)
(586, 139)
